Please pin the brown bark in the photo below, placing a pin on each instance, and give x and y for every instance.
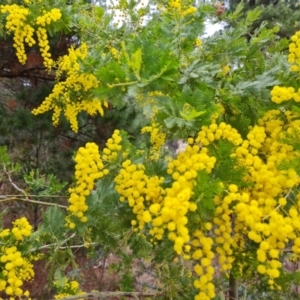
(233, 288)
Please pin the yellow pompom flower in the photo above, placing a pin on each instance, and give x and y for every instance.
(157, 139)
(89, 167)
(60, 100)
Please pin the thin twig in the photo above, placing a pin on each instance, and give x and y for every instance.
(26, 195)
(278, 206)
(37, 196)
(77, 246)
(13, 184)
(104, 295)
(34, 201)
(50, 245)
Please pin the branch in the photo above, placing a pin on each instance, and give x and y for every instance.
(77, 246)
(278, 206)
(26, 195)
(233, 287)
(50, 245)
(28, 73)
(36, 196)
(13, 184)
(104, 295)
(122, 84)
(32, 201)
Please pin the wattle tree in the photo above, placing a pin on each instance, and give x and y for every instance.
(220, 213)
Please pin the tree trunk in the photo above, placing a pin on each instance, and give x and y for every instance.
(233, 288)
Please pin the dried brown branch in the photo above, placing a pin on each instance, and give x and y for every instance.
(32, 201)
(26, 196)
(104, 295)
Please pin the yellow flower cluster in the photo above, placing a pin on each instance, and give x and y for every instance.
(177, 202)
(189, 11)
(44, 47)
(215, 132)
(89, 167)
(21, 229)
(222, 222)
(220, 111)
(115, 53)
(15, 268)
(294, 52)
(143, 193)
(223, 228)
(157, 139)
(226, 70)
(16, 22)
(165, 210)
(60, 100)
(113, 146)
(182, 8)
(280, 94)
(198, 42)
(260, 212)
(204, 268)
(176, 4)
(155, 93)
(149, 100)
(67, 288)
(46, 19)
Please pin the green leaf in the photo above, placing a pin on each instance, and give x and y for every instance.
(237, 13)
(136, 62)
(4, 157)
(253, 15)
(189, 112)
(154, 77)
(173, 121)
(99, 11)
(54, 222)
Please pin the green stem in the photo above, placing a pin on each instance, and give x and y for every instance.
(122, 84)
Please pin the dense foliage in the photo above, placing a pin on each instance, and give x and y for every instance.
(282, 13)
(226, 206)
